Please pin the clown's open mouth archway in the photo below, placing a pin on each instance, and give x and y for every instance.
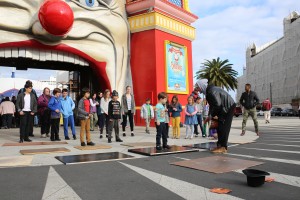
(74, 35)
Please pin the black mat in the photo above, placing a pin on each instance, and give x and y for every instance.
(151, 151)
(89, 158)
(207, 145)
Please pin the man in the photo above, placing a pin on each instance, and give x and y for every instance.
(67, 107)
(7, 110)
(26, 107)
(221, 108)
(249, 100)
(266, 107)
(23, 90)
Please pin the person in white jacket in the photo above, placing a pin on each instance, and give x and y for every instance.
(147, 113)
(104, 109)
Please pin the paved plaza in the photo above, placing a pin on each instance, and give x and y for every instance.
(144, 177)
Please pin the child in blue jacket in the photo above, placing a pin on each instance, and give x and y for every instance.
(55, 106)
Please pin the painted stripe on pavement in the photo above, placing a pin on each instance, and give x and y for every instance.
(274, 150)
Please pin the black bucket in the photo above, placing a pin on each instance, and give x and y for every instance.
(255, 178)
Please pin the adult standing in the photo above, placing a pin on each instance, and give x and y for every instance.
(7, 110)
(175, 109)
(128, 109)
(23, 90)
(101, 120)
(67, 107)
(221, 108)
(44, 112)
(249, 100)
(27, 107)
(104, 109)
(94, 104)
(266, 107)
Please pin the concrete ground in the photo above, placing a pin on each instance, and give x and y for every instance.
(153, 177)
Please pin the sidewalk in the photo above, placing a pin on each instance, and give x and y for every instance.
(12, 135)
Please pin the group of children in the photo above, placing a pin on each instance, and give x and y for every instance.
(193, 117)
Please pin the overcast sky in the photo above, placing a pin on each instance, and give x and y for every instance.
(225, 28)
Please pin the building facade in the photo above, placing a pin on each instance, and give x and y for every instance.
(273, 70)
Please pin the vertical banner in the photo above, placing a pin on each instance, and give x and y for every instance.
(176, 68)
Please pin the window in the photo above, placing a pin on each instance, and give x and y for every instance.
(176, 2)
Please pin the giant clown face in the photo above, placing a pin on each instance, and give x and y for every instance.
(87, 33)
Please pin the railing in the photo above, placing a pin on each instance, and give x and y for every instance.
(178, 3)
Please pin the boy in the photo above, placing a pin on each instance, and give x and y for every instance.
(147, 113)
(84, 116)
(199, 106)
(67, 107)
(55, 106)
(114, 115)
(160, 122)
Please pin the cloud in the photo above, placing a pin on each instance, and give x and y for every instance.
(226, 28)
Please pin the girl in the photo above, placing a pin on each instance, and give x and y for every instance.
(128, 110)
(190, 117)
(167, 116)
(175, 109)
(205, 115)
(104, 110)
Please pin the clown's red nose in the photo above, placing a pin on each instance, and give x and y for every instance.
(56, 17)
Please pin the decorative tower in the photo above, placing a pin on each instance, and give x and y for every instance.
(161, 49)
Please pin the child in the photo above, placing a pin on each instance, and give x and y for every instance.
(205, 115)
(55, 106)
(85, 116)
(190, 117)
(160, 122)
(175, 109)
(199, 106)
(147, 113)
(114, 115)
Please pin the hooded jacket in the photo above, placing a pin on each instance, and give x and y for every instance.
(220, 102)
(67, 106)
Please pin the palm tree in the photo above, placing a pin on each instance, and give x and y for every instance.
(219, 73)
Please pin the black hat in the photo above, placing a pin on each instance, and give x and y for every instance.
(255, 177)
(115, 93)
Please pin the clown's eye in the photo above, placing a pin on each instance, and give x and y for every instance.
(89, 3)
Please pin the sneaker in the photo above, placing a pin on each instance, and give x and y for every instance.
(243, 133)
(74, 137)
(119, 140)
(67, 138)
(31, 135)
(158, 148)
(27, 140)
(167, 147)
(257, 133)
(219, 150)
(82, 144)
(132, 134)
(109, 140)
(101, 136)
(106, 136)
(204, 136)
(43, 136)
(124, 134)
(90, 143)
(52, 140)
(57, 139)
(47, 134)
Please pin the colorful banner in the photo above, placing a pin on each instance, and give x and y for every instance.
(176, 68)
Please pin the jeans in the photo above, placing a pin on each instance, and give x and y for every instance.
(130, 115)
(67, 121)
(55, 129)
(161, 133)
(114, 124)
(7, 120)
(199, 119)
(176, 127)
(45, 122)
(252, 113)
(85, 126)
(26, 125)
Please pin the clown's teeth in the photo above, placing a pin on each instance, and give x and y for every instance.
(42, 55)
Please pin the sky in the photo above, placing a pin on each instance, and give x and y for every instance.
(225, 29)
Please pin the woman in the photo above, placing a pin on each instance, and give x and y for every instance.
(128, 109)
(175, 109)
(104, 109)
(44, 112)
(93, 110)
(26, 107)
(100, 115)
